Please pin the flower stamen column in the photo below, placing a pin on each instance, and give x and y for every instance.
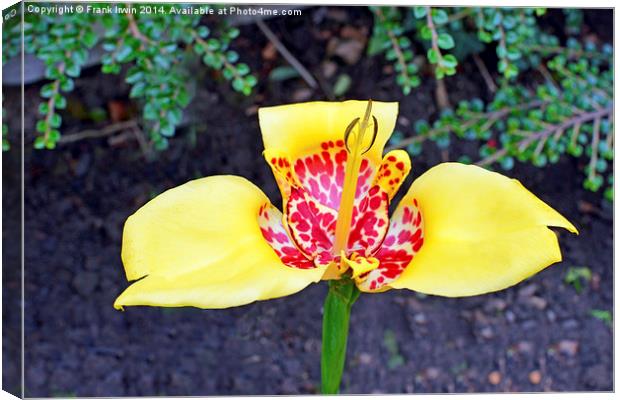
(343, 293)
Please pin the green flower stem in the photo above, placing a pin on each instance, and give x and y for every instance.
(340, 298)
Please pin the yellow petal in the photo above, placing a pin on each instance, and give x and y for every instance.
(299, 129)
(200, 245)
(393, 171)
(483, 232)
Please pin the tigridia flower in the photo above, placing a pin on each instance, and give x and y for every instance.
(218, 242)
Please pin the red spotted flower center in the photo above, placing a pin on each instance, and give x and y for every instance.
(378, 248)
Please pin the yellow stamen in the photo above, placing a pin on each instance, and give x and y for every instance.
(361, 265)
(345, 211)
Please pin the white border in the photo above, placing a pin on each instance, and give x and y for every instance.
(559, 4)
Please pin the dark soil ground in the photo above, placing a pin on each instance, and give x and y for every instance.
(536, 336)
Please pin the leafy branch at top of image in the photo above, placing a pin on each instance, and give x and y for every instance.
(570, 113)
(563, 105)
(156, 47)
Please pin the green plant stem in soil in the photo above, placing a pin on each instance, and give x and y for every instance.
(337, 309)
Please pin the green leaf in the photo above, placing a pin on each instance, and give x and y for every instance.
(90, 39)
(439, 16)
(55, 120)
(162, 61)
(47, 90)
(39, 143)
(419, 12)
(426, 33)
(449, 61)
(183, 98)
(336, 311)
(41, 126)
(238, 84)
(375, 45)
(43, 108)
(203, 31)
(283, 73)
(150, 112)
(67, 85)
(233, 33)
(60, 101)
(167, 130)
(243, 69)
(134, 77)
(432, 56)
(124, 53)
(137, 90)
(342, 85)
(251, 81)
(445, 41)
(232, 56)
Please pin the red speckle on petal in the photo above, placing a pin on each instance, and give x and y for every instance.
(417, 245)
(375, 203)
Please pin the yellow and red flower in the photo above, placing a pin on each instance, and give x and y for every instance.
(218, 242)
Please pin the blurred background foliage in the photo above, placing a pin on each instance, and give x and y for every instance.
(551, 88)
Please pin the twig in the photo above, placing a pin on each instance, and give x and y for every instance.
(595, 140)
(305, 74)
(492, 158)
(492, 116)
(564, 125)
(396, 47)
(575, 122)
(484, 71)
(144, 145)
(569, 53)
(610, 135)
(573, 136)
(94, 133)
(541, 145)
(225, 61)
(51, 104)
(547, 75)
(434, 36)
(133, 27)
(441, 93)
(459, 15)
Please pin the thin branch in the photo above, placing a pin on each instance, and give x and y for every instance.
(133, 28)
(441, 93)
(569, 53)
(595, 140)
(51, 104)
(493, 157)
(547, 75)
(491, 115)
(610, 135)
(434, 35)
(459, 15)
(574, 122)
(305, 74)
(96, 133)
(397, 50)
(564, 125)
(226, 63)
(573, 136)
(484, 71)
